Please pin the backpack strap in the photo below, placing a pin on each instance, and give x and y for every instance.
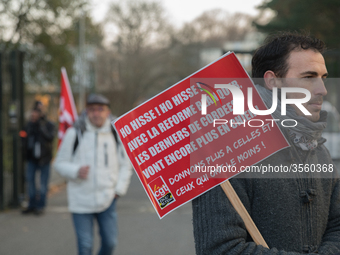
(75, 145)
(79, 134)
(114, 133)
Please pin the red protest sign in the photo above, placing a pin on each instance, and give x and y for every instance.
(173, 146)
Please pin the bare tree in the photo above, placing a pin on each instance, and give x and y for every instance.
(141, 43)
(150, 55)
(215, 27)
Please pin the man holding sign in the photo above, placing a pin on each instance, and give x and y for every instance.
(296, 211)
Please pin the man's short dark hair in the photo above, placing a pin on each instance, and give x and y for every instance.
(37, 104)
(273, 54)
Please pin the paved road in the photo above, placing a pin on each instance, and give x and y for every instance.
(140, 230)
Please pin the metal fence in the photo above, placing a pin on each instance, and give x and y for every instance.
(11, 122)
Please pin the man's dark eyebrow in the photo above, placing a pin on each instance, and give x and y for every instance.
(313, 73)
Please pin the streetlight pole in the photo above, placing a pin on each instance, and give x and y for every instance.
(81, 63)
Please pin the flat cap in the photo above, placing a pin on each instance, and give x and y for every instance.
(97, 99)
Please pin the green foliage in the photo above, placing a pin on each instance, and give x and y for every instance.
(319, 18)
(47, 30)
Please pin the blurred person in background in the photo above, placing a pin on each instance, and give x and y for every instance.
(39, 134)
(98, 172)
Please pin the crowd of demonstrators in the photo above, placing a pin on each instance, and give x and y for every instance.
(98, 172)
(294, 215)
(38, 141)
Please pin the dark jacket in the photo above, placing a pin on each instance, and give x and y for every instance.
(38, 143)
(294, 215)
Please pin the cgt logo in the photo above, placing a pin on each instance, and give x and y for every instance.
(238, 99)
(161, 192)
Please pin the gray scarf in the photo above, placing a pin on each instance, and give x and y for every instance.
(306, 133)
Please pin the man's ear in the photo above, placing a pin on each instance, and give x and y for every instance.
(270, 80)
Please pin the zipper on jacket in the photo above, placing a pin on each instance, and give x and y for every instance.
(106, 155)
(95, 165)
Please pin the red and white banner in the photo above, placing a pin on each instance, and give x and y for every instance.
(173, 146)
(67, 109)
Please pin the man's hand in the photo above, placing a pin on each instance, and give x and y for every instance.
(83, 172)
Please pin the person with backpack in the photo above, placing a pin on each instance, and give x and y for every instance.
(98, 172)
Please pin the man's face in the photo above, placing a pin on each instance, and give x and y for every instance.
(97, 114)
(307, 70)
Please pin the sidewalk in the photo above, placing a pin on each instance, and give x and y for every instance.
(140, 229)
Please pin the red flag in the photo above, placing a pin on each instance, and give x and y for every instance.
(67, 109)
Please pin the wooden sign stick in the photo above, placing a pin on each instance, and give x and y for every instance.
(239, 207)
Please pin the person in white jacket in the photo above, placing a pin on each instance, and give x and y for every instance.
(98, 172)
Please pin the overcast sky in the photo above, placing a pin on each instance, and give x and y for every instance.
(180, 11)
